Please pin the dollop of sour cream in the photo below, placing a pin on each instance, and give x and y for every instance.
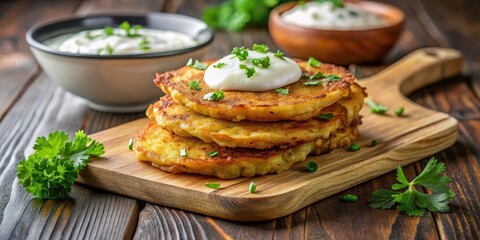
(325, 15)
(97, 42)
(281, 72)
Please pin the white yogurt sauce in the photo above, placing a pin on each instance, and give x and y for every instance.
(325, 16)
(96, 42)
(281, 72)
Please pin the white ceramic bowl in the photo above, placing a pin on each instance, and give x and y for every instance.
(115, 83)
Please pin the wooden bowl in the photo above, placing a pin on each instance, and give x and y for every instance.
(338, 46)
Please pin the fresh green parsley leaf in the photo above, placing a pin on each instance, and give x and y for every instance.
(317, 75)
(214, 96)
(144, 44)
(197, 64)
(241, 53)
(130, 144)
(194, 85)
(213, 154)
(413, 202)
(51, 170)
(376, 108)
(109, 49)
(399, 111)
(332, 78)
(261, 48)
(264, 62)
(373, 143)
(213, 185)
(349, 198)
(311, 166)
(219, 65)
(283, 91)
(326, 116)
(252, 187)
(313, 62)
(354, 147)
(183, 152)
(313, 83)
(108, 31)
(248, 71)
(279, 54)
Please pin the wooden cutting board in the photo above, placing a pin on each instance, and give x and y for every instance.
(401, 140)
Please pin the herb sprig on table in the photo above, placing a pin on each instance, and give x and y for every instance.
(413, 202)
(50, 171)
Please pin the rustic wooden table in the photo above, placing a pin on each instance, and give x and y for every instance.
(31, 105)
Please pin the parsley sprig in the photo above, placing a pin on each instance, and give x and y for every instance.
(51, 170)
(263, 62)
(413, 202)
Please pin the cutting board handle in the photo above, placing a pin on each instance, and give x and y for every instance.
(417, 70)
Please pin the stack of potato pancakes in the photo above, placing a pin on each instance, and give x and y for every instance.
(249, 133)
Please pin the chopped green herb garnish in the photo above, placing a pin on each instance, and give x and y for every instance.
(108, 31)
(129, 31)
(197, 64)
(194, 85)
(241, 53)
(130, 144)
(373, 143)
(51, 170)
(413, 202)
(354, 147)
(332, 78)
(399, 111)
(317, 75)
(313, 83)
(144, 44)
(264, 62)
(375, 107)
(313, 62)
(89, 35)
(219, 65)
(183, 152)
(261, 48)
(283, 91)
(335, 3)
(315, 15)
(248, 71)
(349, 198)
(311, 166)
(279, 54)
(213, 185)
(109, 49)
(213, 154)
(214, 96)
(326, 116)
(252, 187)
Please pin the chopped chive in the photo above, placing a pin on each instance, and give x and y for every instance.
(376, 108)
(326, 116)
(219, 65)
(144, 44)
(252, 187)
(349, 198)
(399, 112)
(311, 166)
(130, 144)
(213, 185)
(283, 91)
(214, 96)
(312, 83)
(194, 85)
(279, 54)
(108, 31)
(109, 49)
(213, 154)
(183, 152)
(248, 71)
(261, 48)
(314, 62)
(373, 143)
(354, 147)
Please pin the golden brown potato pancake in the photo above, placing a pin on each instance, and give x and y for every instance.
(162, 148)
(301, 103)
(259, 135)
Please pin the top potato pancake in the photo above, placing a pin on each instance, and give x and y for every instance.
(301, 103)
